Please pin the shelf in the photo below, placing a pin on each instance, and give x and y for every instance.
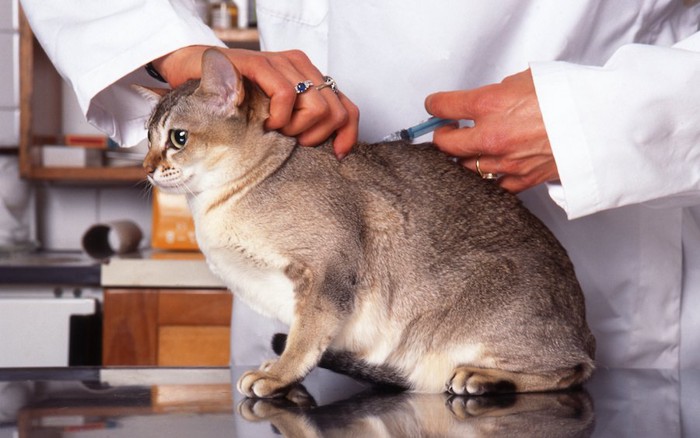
(131, 174)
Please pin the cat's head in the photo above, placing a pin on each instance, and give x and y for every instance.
(205, 133)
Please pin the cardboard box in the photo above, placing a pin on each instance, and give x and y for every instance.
(173, 227)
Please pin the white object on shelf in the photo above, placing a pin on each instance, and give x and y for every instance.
(70, 156)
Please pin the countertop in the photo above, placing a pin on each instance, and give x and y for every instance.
(166, 269)
(49, 268)
(159, 269)
(185, 402)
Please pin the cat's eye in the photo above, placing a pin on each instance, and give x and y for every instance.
(178, 138)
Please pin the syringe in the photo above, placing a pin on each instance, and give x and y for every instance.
(422, 128)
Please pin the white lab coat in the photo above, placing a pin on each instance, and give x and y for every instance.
(622, 118)
(619, 88)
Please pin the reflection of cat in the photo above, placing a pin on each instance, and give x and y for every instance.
(380, 414)
(409, 269)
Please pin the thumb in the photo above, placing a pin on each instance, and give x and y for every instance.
(433, 104)
(453, 105)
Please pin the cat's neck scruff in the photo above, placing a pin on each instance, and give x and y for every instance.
(394, 265)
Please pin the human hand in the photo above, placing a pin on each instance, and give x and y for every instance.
(508, 136)
(312, 117)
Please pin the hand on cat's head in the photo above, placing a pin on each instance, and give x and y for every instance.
(312, 117)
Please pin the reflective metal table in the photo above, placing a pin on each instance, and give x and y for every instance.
(200, 402)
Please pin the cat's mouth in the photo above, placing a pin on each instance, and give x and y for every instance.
(178, 185)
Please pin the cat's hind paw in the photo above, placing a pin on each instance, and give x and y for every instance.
(478, 381)
(261, 384)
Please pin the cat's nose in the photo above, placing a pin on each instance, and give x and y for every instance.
(149, 168)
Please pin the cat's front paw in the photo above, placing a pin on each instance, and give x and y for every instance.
(265, 366)
(261, 384)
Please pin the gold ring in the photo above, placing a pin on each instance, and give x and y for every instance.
(484, 175)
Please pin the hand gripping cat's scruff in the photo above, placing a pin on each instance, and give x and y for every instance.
(394, 265)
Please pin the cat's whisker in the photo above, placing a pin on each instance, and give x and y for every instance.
(146, 189)
(187, 188)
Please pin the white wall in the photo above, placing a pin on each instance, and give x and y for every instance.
(9, 74)
(64, 213)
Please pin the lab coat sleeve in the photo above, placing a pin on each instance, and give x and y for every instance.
(627, 132)
(100, 49)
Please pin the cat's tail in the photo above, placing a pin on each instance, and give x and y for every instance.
(346, 363)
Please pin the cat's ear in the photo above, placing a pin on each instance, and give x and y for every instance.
(220, 78)
(151, 94)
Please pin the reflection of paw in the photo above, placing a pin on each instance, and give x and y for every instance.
(261, 384)
(300, 397)
(464, 407)
(285, 417)
(459, 406)
(257, 409)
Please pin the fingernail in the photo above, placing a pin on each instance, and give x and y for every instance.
(428, 105)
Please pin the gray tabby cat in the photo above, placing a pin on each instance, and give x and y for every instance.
(394, 265)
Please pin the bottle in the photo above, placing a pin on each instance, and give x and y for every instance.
(224, 14)
(202, 8)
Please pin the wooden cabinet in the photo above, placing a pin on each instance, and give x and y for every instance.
(40, 86)
(166, 327)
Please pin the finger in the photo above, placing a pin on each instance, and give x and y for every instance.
(485, 166)
(515, 184)
(346, 135)
(316, 113)
(274, 76)
(458, 142)
(324, 120)
(525, 166)
(447, 104)
(310, 111)
(542, 171)
(342, 119)
(461, 104)
(281, 106)
(306, 107)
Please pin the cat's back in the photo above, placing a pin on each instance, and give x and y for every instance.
(437, 194)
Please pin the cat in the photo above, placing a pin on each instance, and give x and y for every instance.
(395, 264)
